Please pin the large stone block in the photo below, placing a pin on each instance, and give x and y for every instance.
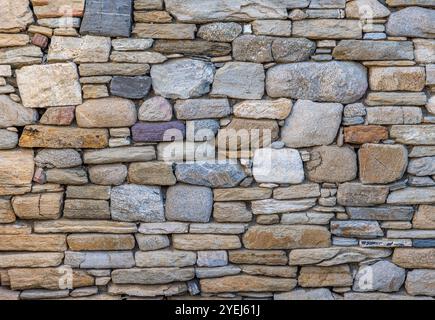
(356, 194)
(373, 50)
(80, 50)
(397, 79)
(16, 15)
(16, 171)
(412, 22)
(43, 206)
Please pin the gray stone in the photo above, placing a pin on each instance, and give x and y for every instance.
(272, 206)
(278, 166)
(252, 48)
(182, 78)
(414, 135)
(130, 87)
(286, 50)
(108, 174)
(19, 56)
(202, 109)
(382, 276)
(356, 228)
(212, 258)
(58, 158)
(334, 81)
(394, 115)
(356, 194)
(220, 32)
(422, 166)
(327, 29)
(155, 109)
(114, 155)
(74, 176)
(231, 10)
(152, 242)
(332, 164)
(137, 203)
(424, 50)
(132, 44)
(88, 192)
(413, 22)
(307, 218)
(14, 114)
(107, 18)
(8, 139)
(165, 258)
(382, 213)
(311, 124)
(202, 130)
(99, 260)
(412, 196)
(216, 272)
(189, 203)
(152, 275)
(210, 174)
(421, 282)
(305, 294)
(423, 243)
(273, 27)
(239, 80)
(373, 50)
(366, 9)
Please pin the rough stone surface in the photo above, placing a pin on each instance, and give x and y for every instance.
(130, 87)
(287, 50)
(373, 50)
(382, 276)
(412, 22)
(355, 194)
(14, 114)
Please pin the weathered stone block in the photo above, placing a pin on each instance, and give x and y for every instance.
(158, 131)
(130, 87)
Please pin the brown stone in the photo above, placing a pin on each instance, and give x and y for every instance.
(424, 218)
(38, 206)
(40, 40)
(241, 194)
(138, 290)
(104, 242)
(286, 237)
(316, 277)
(231, 212)
(365, 134)
(33, 242)
(382, 163)
(86, 209)
(58, 116)
(152, 16)
(151, 173)
(205, 242)
(411, 258)
(62, 137)
(246, 283)
(6, 212)
(16, 171)
(356, 194)
(269, 257)
(47, 278)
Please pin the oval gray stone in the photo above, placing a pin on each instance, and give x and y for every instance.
(412, 22)
(382, 276)
(8, 139)
(182, 78)
(334, 81)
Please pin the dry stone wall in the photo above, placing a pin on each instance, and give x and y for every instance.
(239, 149)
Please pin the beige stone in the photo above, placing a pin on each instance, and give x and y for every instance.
(14, 114)
(241, 194)
(6, 212)
(58, 8)
(33, 242)
(270, 271)
(263, 109)
(16, 171)
(165, 31)
(38, 206)
(356, 194)
(327, 29)
(306, 190)
(315, 277)
(205, 242)
(165, 258)
(84, 226)
(137, 57)
(151, 173)
(231, 212)
(46, 278)
(106, 112)
(246, 283)
(12, 40)
(286, 237)
(30, 260)
(382, 163)
(16, 15)
(152, 16)
(113, 69)
(95, 91)
(137, 290)
(80, 50)
(397, 79)
(411, 258)
(103, 242)
(86, 209)
(63, 137)
(424, 218)
(56, 85)
(267, 257)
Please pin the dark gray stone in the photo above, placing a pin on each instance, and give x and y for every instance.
(202, 130)
(383, 213)
(110, 18)
(130, 87)
(424, 243)
(215, 175)
(158, 131)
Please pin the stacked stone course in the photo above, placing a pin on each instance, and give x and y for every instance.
(118, 178)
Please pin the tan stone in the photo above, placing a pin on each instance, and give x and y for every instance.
(21, 56)
(164, 31)
(365, 134)
(6, 212)
(38, 206)
(95, 91)
(286, 237)
(356, 194)
(397, 79)
(165, 258)
(88, 192)
(106, 112)
(396, 99)
(14, 114)
(241, 194)
(151, 173)
(246, 283)
(16, 15)
(327, 29)
(48, 32)
(231, 212)
(267, 257)
(11, 40)
(152, 16)
(205, 242)
(307, 190)
(6, 294)
(412, 258)
(270, 271)
(30, 260)
(57, 85)
(86, 209)
(316, 277)
(103, 242)
(382, 163)
(47, 278)
(424, 218)
(263, 109)
(63, 137)
(16, 171)
(137, 290)
(113, 69)
(15, 228)
(58, 8)
(84, 226)
(33, 242)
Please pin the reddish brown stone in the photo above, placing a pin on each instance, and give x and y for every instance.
(40, 40)
(365, 134)
(60, 116)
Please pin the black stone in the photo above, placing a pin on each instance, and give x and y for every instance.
(130, 87)
(111, 18)
(424, 243)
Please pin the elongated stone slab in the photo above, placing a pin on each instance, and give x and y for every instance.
(36, 136)
(152, 275)
(373, 50)
(33, 242)
(327, 29)
(31, 260)
(107, 18)
(125, 154)
(414, 135)
(113, 69)
(158, 131)
(272, 206)
(165, 31)
(383, 213)
(99, 260)
(84, 226)
(16, 171)
(412, 196)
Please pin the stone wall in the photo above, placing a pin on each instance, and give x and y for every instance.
(240, 149)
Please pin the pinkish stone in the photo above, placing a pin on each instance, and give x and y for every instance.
(61, 116)
(155, 109)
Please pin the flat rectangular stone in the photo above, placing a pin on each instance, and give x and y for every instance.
(202, 109)
(269, 257)
(401, 3)
(383, 213)
(86, 209)
(84, 226)
(423, 243)
(138, 290)
(5, 71)
(409, 196)
(394, 115)
(16, 171)
(38, 206)
(132, 44)
(327, 29)
(231, 212)
(316, 277)
(308, 190)
(370, 50)
(165, 258)
(396, 98)
(107, 18)
(411, 258)
(424, 50)
(113, 69)
(192, 47)
(148, 4)
(15, 228)
(36, 136)
(100, 260)
(306, 218)
(411, 234)
(272, 206)
(21, 56)
(100, 242)
(88, 192)
(241, 194)
(12, 40)
(385, 243)
(205, 242)
(165, 31)
(158, 131)
(60, 23)
(124, 154)
(152, 275)
(217, 228)
(430, 74)
(33, 242)
(164, 228)
(31, 260)
(414, 135)
(53, 9)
